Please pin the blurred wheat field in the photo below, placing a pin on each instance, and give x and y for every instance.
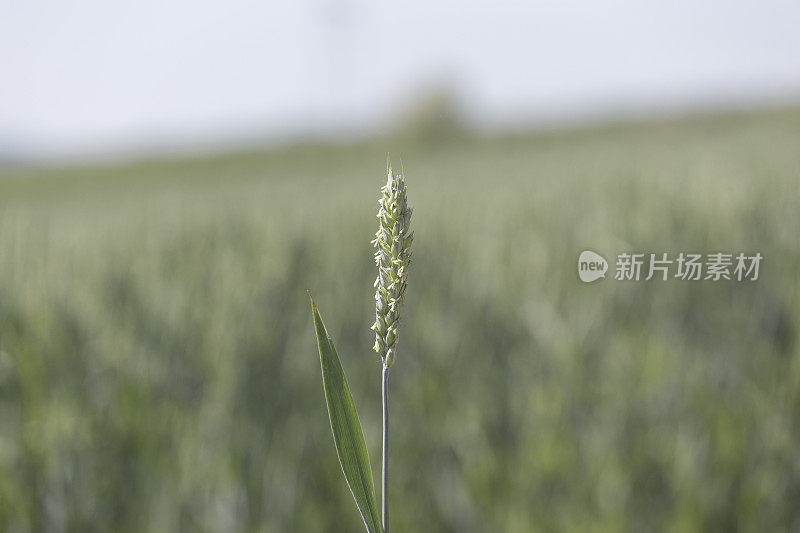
(158, 370)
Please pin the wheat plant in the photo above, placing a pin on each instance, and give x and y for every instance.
(392, 256)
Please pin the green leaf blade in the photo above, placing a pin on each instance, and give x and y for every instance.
(346, 427)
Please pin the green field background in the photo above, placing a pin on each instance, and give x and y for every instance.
(158, 366)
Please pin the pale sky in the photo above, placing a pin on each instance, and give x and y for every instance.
(88, 77)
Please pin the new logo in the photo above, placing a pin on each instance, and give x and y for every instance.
(591, 266)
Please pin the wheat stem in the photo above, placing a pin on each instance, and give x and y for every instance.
(392, 256)
(385, 464)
